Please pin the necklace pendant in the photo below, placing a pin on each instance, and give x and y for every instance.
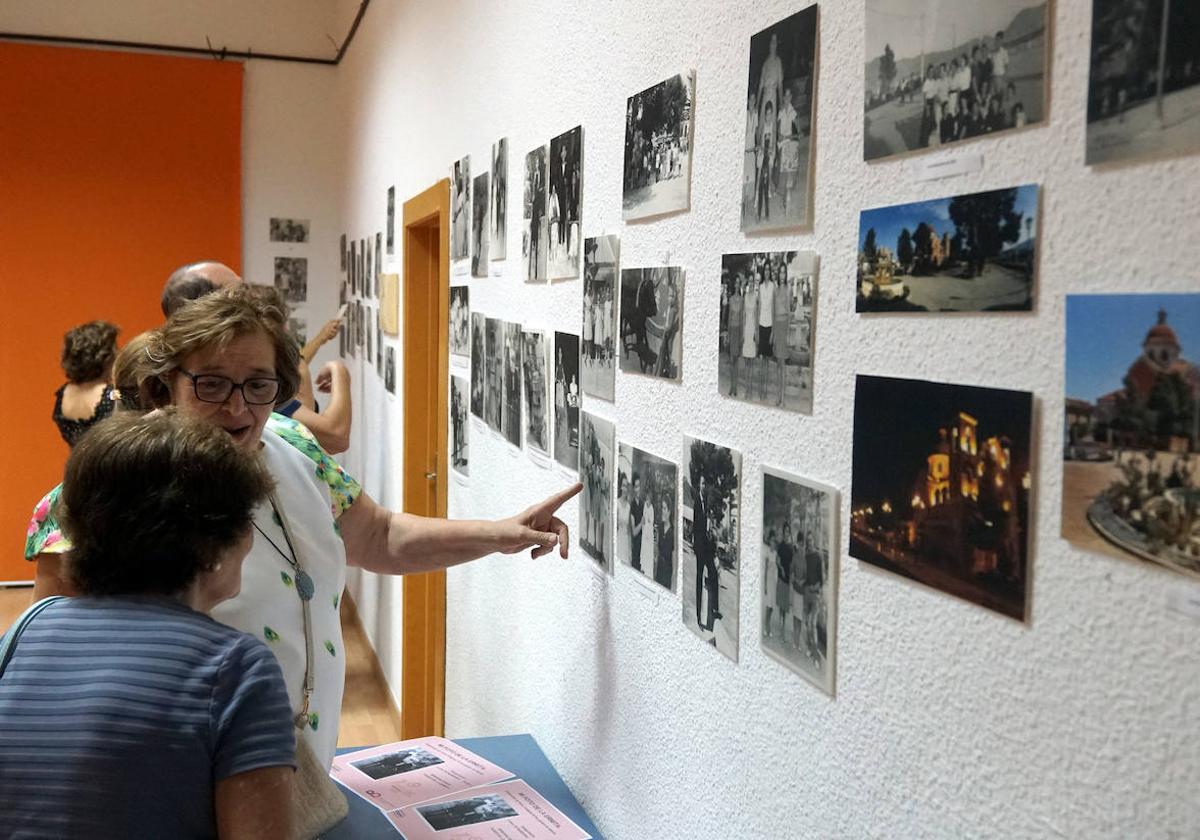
(305, 587)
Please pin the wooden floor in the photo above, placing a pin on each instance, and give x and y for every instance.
(368, 713)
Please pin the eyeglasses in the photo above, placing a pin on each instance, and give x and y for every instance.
(210, 388)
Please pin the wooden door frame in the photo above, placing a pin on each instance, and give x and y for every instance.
(423, 647)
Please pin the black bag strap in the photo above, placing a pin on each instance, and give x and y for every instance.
(8, 644)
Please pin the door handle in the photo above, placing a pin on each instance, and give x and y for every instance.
(430, 476)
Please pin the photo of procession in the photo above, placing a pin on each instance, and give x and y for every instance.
(709, 553)
(658, 149)
(780, 103)
(1131, 434)
(651, 332)
(647, 498)
(941, 485)
(601, 262)
(940, 72)
(765, 345)
(969, 253)
(1144, 85)
(799, 568)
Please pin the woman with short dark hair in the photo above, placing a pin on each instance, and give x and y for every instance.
(87, 396)
(127, 711)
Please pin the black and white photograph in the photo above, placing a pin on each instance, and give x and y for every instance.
(510, 425)
(566, 400)
(709, 553)
(396, 763)
(362, 266)
(767, 325)
(478, 365)
(780, 105)
(342, 252)
(498, 214)
(298, 328)
(1144, 85)
(353, 266)
(389, 371)
(601, 265)
(378, 264)
(391, 220)
(535, 234)
(651, 332)
(938, 73)
(370, 269)
(291, 278)
(597, 465)
(535, 356)
(460, 208)
(459, 433)
(360, 326)
(289, 230)
(479, 227)
(493, 355)
(658, 149)
(798, 594)
(379, 347)
(975, 252)
(370, 335)
(460, 322)
(647, 501)
(565, 202)
(460, 812)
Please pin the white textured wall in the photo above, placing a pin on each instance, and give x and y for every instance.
(949, 721)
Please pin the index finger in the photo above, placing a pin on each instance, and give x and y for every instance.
(554, 502)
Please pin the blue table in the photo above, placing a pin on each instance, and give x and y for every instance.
(518, 754)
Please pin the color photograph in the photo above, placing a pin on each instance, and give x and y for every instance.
(1131, 440)
(498, 212)
(566, 400)
(766, 328)
(1144, 84)
(941, 487)
(651, 333)
(799, 575)
(460, 208)
(478, 364)
(966, 253)
(535, 236)
(601, 264)
(647, 501)
(597, 464)
(565, 202)
(709, 554)
(459, 431)
(480, 234)
(658, 149)
(780, 105)
(535, 380)
(939, 72)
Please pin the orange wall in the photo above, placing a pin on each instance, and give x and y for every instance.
(114, 169)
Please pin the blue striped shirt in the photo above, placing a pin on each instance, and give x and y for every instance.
(119, 715)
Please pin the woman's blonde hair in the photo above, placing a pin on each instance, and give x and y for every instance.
(213, 321)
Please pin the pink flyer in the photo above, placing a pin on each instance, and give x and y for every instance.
(401, 774)
(509, 811)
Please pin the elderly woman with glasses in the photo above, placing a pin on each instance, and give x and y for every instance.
(227, 358)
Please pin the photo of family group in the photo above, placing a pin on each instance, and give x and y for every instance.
(566, 400)
(460, 208)
(601, 262)
(597, 459)
(647, 499)
(709, 556)
(799, 569)
(765, 345)
(289, 230)
(780, 105)
(478, 365)
(938, 72)
(658, 149)
(534, 355)
(967, 253)
(460, 319)
(459, 433)
(651, 325)
(480, 230)
(291, 278)
(565, 201)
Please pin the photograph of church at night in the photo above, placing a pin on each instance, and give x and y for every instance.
(1131, 428)
(941, 487)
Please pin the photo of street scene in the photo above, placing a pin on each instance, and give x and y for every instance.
(1131, 432)
(967, 253)
(941, 487)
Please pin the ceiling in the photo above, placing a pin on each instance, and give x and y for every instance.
(309, 28)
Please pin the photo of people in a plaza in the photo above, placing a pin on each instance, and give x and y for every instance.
(498, 212)
(766, 328)
(460, 208)
(478, 365)
(493, 365)
(780, 103)
(565, 203)
(535, 235)
(536, 385)
(601, 264)
(460, 319)
(396, 763)
(459, 432)
(510, 423)
(651, 321)
(941, 487)
(480, 229)
(566, 400)
(941, 72)
(1131, 434)
(647, 501)
(975, 252)
(658, 149)
(709, 556)
(798, 594)
(597, 465)
(1144, 84)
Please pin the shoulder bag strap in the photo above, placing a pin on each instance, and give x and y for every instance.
(8, 644)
